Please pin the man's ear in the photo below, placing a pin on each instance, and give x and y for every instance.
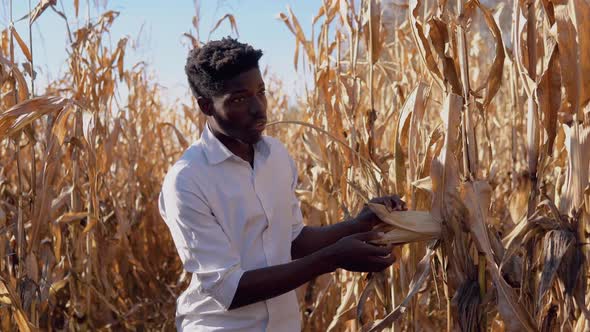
(206, 105)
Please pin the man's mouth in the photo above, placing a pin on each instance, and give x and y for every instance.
(260, 125)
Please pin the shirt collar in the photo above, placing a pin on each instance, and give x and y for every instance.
(216, 152)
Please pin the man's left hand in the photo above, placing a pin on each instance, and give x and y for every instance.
(368, 219)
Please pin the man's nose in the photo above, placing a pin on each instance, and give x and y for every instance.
(257, 107)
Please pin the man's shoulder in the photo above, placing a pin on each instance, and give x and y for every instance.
(186, 168)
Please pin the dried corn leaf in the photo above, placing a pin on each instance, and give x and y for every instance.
(577, 144)
(374, 35)
(476, 196)
(439, 37)
(569, 55)
(422, 42)
(518, 201)
(39, 9)
(548, 94)
(346, 307)
(424, 184)
(8, 297)
(556, 243)
(582, 22)
(23, 90)
(411, 115)
(17, 117)
(71, 216)
(444, 169)
(21, 43)
(421, 275)
(181, 139)
(2, 217)
(494, 78)
(232, 22)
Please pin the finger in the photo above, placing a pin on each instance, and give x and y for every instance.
(380, 263)
(368, 236)
(398, 203)
(386, 261)
(373, 250)
(389, 204)
(387, 201)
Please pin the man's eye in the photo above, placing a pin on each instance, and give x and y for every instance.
(238, 100)
(262, 92)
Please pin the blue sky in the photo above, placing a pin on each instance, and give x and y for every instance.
(162, 24)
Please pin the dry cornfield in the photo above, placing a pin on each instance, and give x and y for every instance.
(476, 113)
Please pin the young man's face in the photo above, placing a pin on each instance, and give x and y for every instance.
(240, 111)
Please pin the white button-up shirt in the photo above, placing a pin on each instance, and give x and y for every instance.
(226, 218)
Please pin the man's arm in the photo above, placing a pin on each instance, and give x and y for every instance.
(351, 253)
(312, 239)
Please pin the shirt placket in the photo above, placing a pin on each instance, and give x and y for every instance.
(267, 240)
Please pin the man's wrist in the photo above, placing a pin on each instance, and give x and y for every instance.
(360, 225)
(325, 260)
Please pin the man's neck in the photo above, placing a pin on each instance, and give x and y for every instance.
(240, 149)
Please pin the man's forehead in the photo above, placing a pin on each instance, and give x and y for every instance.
(246, 81)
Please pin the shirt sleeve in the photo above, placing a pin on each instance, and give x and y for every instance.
(204, 248)
(297, 220)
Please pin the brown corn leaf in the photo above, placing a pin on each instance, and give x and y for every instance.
(518, 201)
(8, 297)
(23, 90)
(556, 244)
(569, 55)
(346, 307)
(363, 298)
(411, 115)
(422, 42)
(57, 286)
(582, 22)
(183, 142)
(21, 43)
(421, 275)
(373, 30)
(232, 22)
(439, 37)
(71, 216)
(518, 53)
(444, 169)
(38, 10)
(2, 217)
(92, 221)
(18, 116)
(577, 144)
(31, 267)
(476, 196)
(424, 184)
(418, 110)
(549, 96)
(533, 135)
(494, 78)
(4, 295)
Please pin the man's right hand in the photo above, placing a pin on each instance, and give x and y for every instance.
(355, 253)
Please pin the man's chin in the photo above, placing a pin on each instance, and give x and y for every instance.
(252, 139)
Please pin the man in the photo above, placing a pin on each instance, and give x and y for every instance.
(230, 205)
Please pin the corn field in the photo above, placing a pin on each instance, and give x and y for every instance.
(476, 113)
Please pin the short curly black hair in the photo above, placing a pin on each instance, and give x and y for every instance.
(209, 66)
